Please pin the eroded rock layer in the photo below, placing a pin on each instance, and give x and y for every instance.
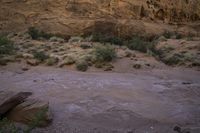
(75, 17)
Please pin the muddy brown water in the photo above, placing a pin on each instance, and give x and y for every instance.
(151, 101)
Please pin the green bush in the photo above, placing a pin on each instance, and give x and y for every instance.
(82, 66)
(7, 126)
(105, 53)
(152, 50)
(107, 39)
(41, 56)
(175, 59)
(36, 34)
(6, 46)
(97, 38)
(138, 44)
(115, 40)
(38, 119)
(51, 61)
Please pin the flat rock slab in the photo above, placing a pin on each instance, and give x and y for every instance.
(31, 111)
(9, 100)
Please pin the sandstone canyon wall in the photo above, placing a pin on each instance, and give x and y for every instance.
(76, 17)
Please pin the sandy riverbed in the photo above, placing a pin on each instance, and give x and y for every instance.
(152, 101)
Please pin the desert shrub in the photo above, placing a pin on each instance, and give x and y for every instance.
(107, 39)
(172, 61)
(175, 59)
(69, 60)
(189, 57)
(85, 46)
(3, 62)
(6, 46)
(7, 126)
(36, 34)
(196, 63)
(41, 56)
(99, 65)
(164, 50)
(38, 120)
(46, 35)
(152, 50)
(190, 37)
(115, 40)
(97, 38)
(105, 53)
(178, 36)
(136, 43)
(82, 66)
(146, 37)
(51, 61)
(167, 34)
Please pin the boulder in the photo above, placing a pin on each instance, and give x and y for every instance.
(30, 112)
(9, 100)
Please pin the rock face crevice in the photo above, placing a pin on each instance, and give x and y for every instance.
(75, 16)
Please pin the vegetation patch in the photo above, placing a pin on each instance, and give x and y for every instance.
(69, 60)
(85, 46)
(107, 39)
(6, 46)
(82, 66)
(168, 34)
(51, 61)
(179, 36)
(36, 34)
(190, 37)
(105, 53)
(41, 56)
(137, 43)
(7, 126)
(38, 119)
(175, 59)
(3, 62)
